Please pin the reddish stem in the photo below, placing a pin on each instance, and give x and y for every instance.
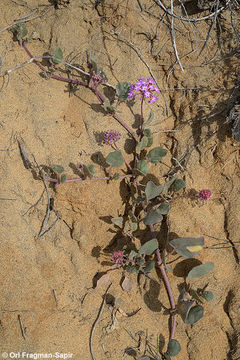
(100, 97)
(165, 278)
(80, 179)
(167, 284)
(141, 119)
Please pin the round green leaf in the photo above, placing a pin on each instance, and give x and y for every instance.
(148, 133)
(195, 295)
(116, 176)
(132, 254)
(149, 247)
(155, 155)
(142, 144)
(152, 190)
(208, 295)
(187, 247)
(57, 169)
(178, 185)
(142, 167)
(200, 270)
(149, 266)
(122, 90)
(58, 55)
(94, 60)
(164, 208)
(134, 269)
(21, 31)
(108, 107)
(89, 170)
(153, 217)
(173, 348)
(115, 158)
(168, 184)
(118, 221)
(63, 178)
(195, 314)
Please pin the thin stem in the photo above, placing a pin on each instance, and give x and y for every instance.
(167, 284)
(93, 178)
(100, 97)
(142, 119)
(164, 275)
(53, 76)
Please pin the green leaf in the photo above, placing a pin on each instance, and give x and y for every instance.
(167, 357)
(148, 133)
(178, 185)
(195, 314)
(108, 107)
(208, 295)
(149, 266)
(187, 247)
(138, 199)
(57, 169)
(152, 190)
(58, 55)
(155, 155)
(118, 221)
(173, 348)
(63, 178)
(93, 61)
(140, 262)
(164, 208)
(152, 217)
(122, 90)
(149, 120)
(132, 217)
(168, 268)
(115, 158)
(200, 270)
(142, 167)
(142, 144)
(168, 184)
(184, 308)
(132, 269)
(195, 295)
(116, 176)
(89, 170)
(20, 31)
(133, 226)
(132, 254)
(149, 247)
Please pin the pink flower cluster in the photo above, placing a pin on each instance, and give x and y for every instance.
(144, 87)
(98, 78)
(117, 257)
(204, 194)
(111, 137)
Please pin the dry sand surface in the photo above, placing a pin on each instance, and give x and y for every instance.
(49, 302)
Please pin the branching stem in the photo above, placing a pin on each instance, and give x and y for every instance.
(100, 97)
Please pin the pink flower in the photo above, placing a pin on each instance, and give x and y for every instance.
(204, 195)
(111, 137)
(144, 87)
(117, 257)
(98, 78)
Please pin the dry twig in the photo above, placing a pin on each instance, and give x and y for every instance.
(95, 322)
(23, 330)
